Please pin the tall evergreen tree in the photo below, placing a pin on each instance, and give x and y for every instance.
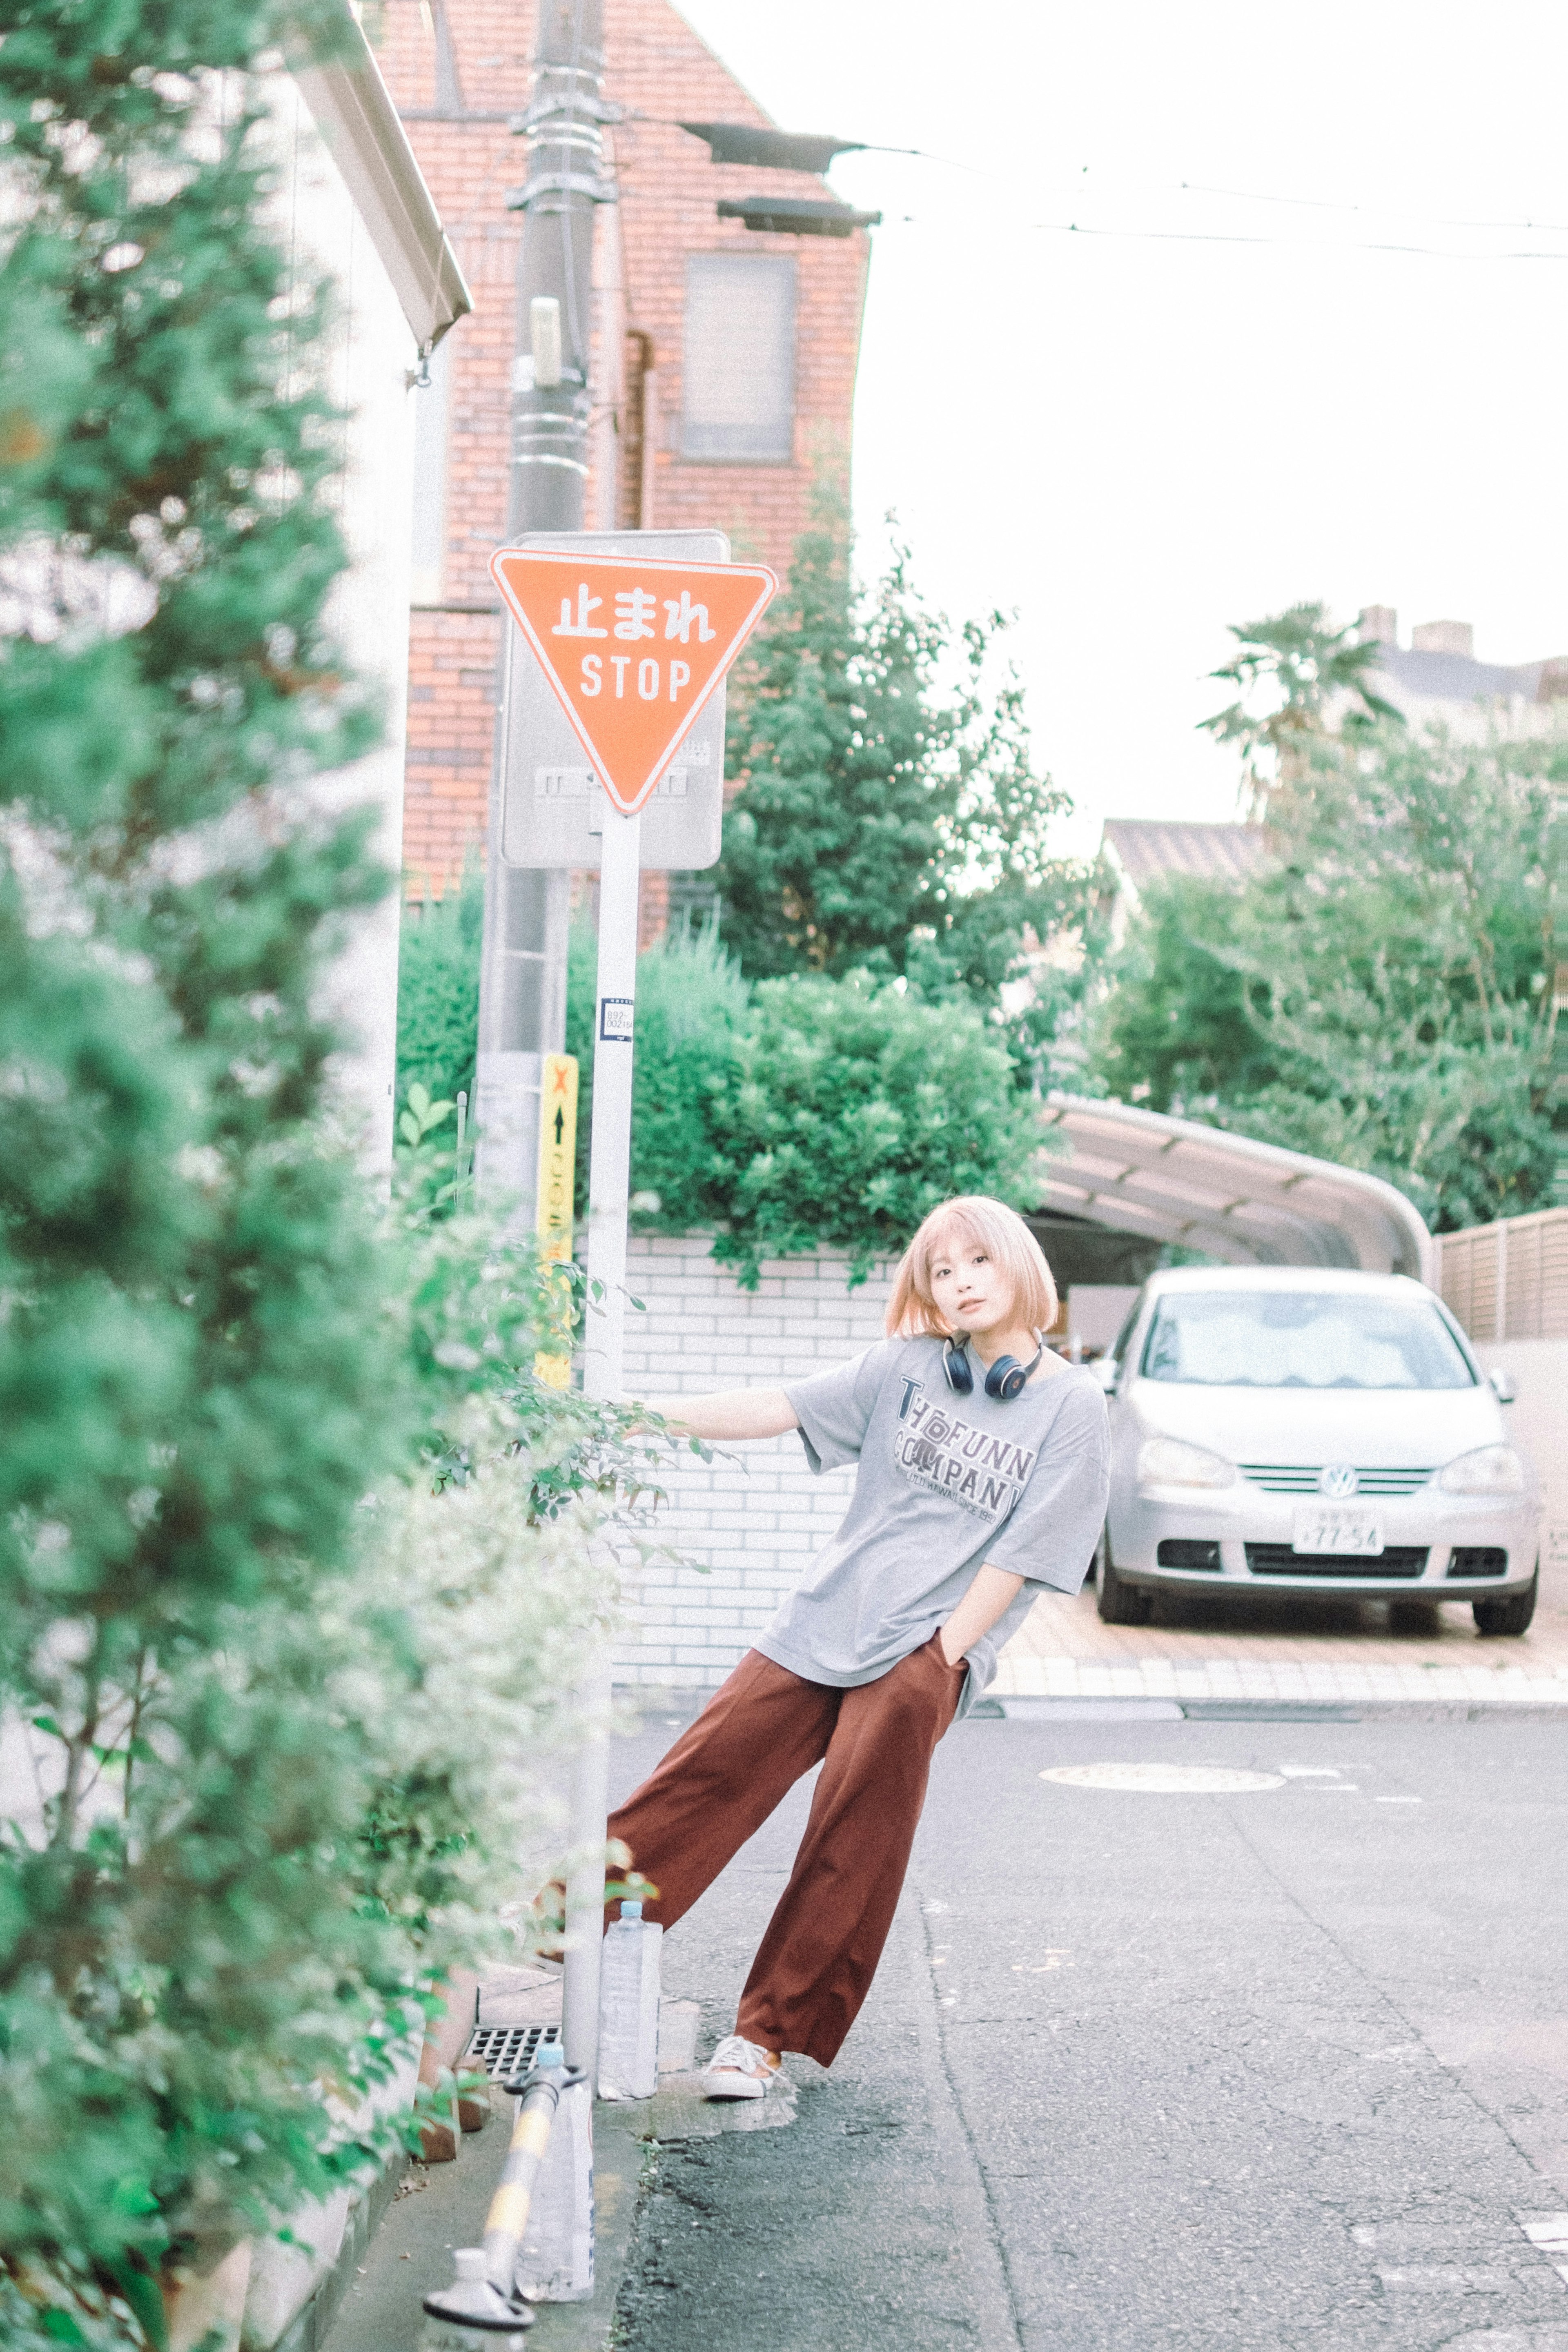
(889, 818)
(199, 1371)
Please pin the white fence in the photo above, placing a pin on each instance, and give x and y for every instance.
(1509, 1281)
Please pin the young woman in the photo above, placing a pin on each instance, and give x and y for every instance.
(981, 1479)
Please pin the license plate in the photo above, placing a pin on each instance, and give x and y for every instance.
(1336, 1526)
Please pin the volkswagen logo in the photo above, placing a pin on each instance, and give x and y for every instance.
(1338, 1480)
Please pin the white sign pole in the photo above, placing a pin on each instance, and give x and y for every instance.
(609, 1173)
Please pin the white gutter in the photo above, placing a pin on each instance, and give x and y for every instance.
(352, 109)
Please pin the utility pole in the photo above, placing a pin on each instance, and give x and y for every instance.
(522, 972)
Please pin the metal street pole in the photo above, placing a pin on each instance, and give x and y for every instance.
(609, 1183)
(554, 589)
(522, 973)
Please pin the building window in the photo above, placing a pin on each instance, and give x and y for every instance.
(738, 376)
(432, 405)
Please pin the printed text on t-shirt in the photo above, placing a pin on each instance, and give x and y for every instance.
(934, 1448)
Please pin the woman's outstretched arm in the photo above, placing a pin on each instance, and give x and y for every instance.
(732, 1412)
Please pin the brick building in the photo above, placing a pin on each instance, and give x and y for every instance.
(725, 358)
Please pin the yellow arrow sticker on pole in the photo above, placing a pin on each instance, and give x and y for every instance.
(557, 1178)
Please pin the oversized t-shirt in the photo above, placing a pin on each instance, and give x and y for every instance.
(945, 1484)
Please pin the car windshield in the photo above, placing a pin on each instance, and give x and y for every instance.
(1301, 1340)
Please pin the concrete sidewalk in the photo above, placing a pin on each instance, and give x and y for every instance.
(1274, 1646)
(870, 2177)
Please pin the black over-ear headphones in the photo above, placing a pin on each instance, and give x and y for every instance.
(1004, 1378)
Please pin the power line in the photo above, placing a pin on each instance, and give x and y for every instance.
(1279, 244)
(824, 151)
(1331, 205)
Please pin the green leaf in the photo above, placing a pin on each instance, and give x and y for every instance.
(141, 2292)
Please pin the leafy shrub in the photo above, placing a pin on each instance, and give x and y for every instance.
(438, 990)
(805, 1112)
(849, 1112)
(692, 1005)
(460, 1636)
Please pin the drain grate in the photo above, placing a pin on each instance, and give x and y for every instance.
(504, 2051)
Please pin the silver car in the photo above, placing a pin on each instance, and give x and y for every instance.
(1290, 1430)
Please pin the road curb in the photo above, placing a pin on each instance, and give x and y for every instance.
(1258, 1710)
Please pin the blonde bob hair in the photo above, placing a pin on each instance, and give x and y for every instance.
(981, 1223)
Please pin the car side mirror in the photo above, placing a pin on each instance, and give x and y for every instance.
(1104, 1368)
(1501, 1384)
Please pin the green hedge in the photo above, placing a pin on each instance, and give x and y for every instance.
(807, 1113)
(438, 990)
(801, 1114)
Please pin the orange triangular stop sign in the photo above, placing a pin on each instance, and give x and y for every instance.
(633, 646)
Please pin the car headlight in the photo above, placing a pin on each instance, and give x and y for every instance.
(1490, 1470)
(1169, 1462)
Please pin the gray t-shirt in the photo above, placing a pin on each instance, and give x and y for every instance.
(944, 1484)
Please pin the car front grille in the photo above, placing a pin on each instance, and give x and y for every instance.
(1279, 1559)
(1186, 1551)
(1302, 1478)
(1478, 1560)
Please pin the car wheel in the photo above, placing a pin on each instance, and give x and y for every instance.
(1120, 1603)
(1510, 1613)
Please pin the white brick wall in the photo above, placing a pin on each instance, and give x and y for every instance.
(746, 1525)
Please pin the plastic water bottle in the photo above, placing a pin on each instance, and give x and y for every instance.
(629, 2007)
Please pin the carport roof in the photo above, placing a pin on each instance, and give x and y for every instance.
(1244, 1203)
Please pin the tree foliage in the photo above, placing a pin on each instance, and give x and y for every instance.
(1384, 995)
(891, 819)
(193, 1373)
(227, 1381)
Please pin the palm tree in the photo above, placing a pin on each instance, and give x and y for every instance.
(1310, 679)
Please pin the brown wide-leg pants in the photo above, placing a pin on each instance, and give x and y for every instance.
(759, 1732)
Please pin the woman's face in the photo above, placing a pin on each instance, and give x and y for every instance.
(970, 1290)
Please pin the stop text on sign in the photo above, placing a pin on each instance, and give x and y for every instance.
(633, 647)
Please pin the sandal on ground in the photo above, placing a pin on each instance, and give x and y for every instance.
(739, 2069)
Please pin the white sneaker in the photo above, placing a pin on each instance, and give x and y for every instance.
(739, 2069)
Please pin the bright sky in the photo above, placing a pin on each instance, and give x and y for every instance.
(1134, 440)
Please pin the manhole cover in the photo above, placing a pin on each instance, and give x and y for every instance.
(1163, 1779)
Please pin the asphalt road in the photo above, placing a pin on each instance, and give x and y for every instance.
(1286, 2067)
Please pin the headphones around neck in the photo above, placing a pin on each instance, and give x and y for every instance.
(1004, 1378)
